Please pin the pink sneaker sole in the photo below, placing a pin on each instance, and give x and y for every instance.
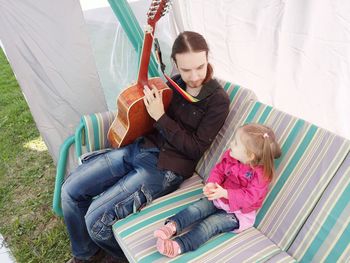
(168, 247)
(164, 232)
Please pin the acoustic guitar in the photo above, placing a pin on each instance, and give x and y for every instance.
(132, 118)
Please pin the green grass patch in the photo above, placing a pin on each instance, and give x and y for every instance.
(27, 176)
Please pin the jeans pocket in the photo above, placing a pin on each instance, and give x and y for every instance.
(102, 228)
(92, 155)
(133, 203)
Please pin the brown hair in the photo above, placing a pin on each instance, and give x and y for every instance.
(260, 140)
(189, 41)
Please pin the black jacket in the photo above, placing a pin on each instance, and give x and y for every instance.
(187, 129)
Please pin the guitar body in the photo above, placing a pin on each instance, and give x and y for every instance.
(133, 120)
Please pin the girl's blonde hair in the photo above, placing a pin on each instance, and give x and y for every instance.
(260, 141)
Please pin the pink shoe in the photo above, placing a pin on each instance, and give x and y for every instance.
(168, 247)
(166, 231)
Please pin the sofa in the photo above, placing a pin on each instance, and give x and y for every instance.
(304, 218)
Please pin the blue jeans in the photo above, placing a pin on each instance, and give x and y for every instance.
(125, 180)
(208, 221)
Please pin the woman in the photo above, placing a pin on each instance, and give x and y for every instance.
(128, 178)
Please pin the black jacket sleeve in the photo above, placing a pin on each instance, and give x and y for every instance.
(193, 144)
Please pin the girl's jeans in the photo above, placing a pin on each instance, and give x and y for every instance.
(124, 180)
(209, 221)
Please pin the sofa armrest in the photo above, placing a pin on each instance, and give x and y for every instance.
(90, 133)
(93, 134)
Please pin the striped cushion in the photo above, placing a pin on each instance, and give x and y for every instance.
(239, 98)
(95, 128)
(310, 158)
(249, 246)
(325, 237)
(282, 257)
(135, 233)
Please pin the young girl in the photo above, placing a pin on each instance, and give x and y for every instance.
(235, 189)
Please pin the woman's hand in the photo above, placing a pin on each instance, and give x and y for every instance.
(217, 192)
(154, 102)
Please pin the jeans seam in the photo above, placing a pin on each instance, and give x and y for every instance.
(109, 163)
(102, 226)
(106, 201)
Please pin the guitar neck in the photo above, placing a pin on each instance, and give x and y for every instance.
(145, 58)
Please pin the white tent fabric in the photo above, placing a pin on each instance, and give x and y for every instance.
(49, 51)
(295, 54)
(71, 60)
(116, 59)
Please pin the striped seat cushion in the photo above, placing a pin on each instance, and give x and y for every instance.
(249, 246)
(325, 237)
(95, 128)
(282, 257)
(135, 233)
(239, 98)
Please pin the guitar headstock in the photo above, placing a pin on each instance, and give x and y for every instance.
(157, 9)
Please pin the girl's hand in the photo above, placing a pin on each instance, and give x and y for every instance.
(154, 102)
(208, 189)
(217, 192)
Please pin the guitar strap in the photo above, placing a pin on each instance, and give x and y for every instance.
(184, 94)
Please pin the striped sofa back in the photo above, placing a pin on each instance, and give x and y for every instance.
(310, 158)
(325, 237)
(239, 98)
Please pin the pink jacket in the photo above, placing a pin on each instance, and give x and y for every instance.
(246, 186)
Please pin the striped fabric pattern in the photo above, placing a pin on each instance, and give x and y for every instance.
(282, 257)
(135, 233)
(239, 98)
(95, 128)
(325, 237)
(311, 156)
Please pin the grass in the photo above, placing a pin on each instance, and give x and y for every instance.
(27, 175)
